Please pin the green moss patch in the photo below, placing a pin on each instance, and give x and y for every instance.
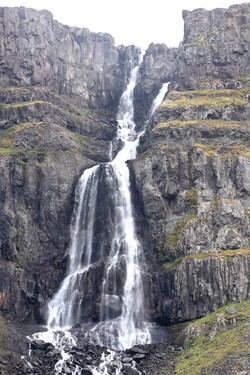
(145, 155)
(223, 151)
(212, 150)
(7, 143)
(243, 251)
(203, 351)
(177, 233)
(7, 151)
(208, 123)
(214, 98)
(191, 197)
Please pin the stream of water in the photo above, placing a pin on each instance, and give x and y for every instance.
(115, 254)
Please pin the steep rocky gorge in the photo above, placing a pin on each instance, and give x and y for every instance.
(60, 88)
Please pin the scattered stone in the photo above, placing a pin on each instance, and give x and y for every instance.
(49, 347)
(50, 355)
(138, 357)
(159, 355)
(89, 360)
(3, 361)
(231, 311)
(136, 350)
(127, 359)
(38, 344)
(116, 363)
(67, 370)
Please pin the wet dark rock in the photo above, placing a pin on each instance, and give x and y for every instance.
(137, 350)
(86, 371)
(39, 344)
(51, 354)
(50, 347)
(127, 359)
(138, 357)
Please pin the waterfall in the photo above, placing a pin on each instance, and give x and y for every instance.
(122, 297)
(104, 248)
(159, 98)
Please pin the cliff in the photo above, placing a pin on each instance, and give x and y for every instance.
(60, 88)
(192, 175)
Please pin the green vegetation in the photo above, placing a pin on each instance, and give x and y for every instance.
(145, 155)
(171, 149)
(243, 251)
(78, 116)
(205, 39)
(191, 197)
(21, 152)
(23, 104)
(7, 145)
(6, 136)
(214, 98)
(221, 151)
(202, 350)
(79, 138)
(210, 123)
(243, 79)
(177, 233)
(224, 151)
(4, 151)
(56, 100)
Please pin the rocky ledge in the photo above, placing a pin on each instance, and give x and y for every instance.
(213, 345)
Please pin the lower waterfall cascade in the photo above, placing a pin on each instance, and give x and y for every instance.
(103, 200)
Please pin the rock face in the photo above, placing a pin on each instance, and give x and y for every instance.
(198, 285)
(60, 88)
(157, 67)
(39, 51)
(59, 91)
(192, 175)
(215, 46)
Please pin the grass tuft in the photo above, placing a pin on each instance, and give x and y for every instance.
(243, 251)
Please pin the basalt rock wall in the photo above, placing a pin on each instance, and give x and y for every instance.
(37, 50)
(60, 88)
(192, 174)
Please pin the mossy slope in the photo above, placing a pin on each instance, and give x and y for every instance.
(219, 341)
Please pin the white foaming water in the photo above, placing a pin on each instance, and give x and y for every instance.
(157, 101)
(125, 116)
(122, 277)
(107, 360)
(63, 312)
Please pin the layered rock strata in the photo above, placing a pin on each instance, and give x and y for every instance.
(60, 87)
(192, 175)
